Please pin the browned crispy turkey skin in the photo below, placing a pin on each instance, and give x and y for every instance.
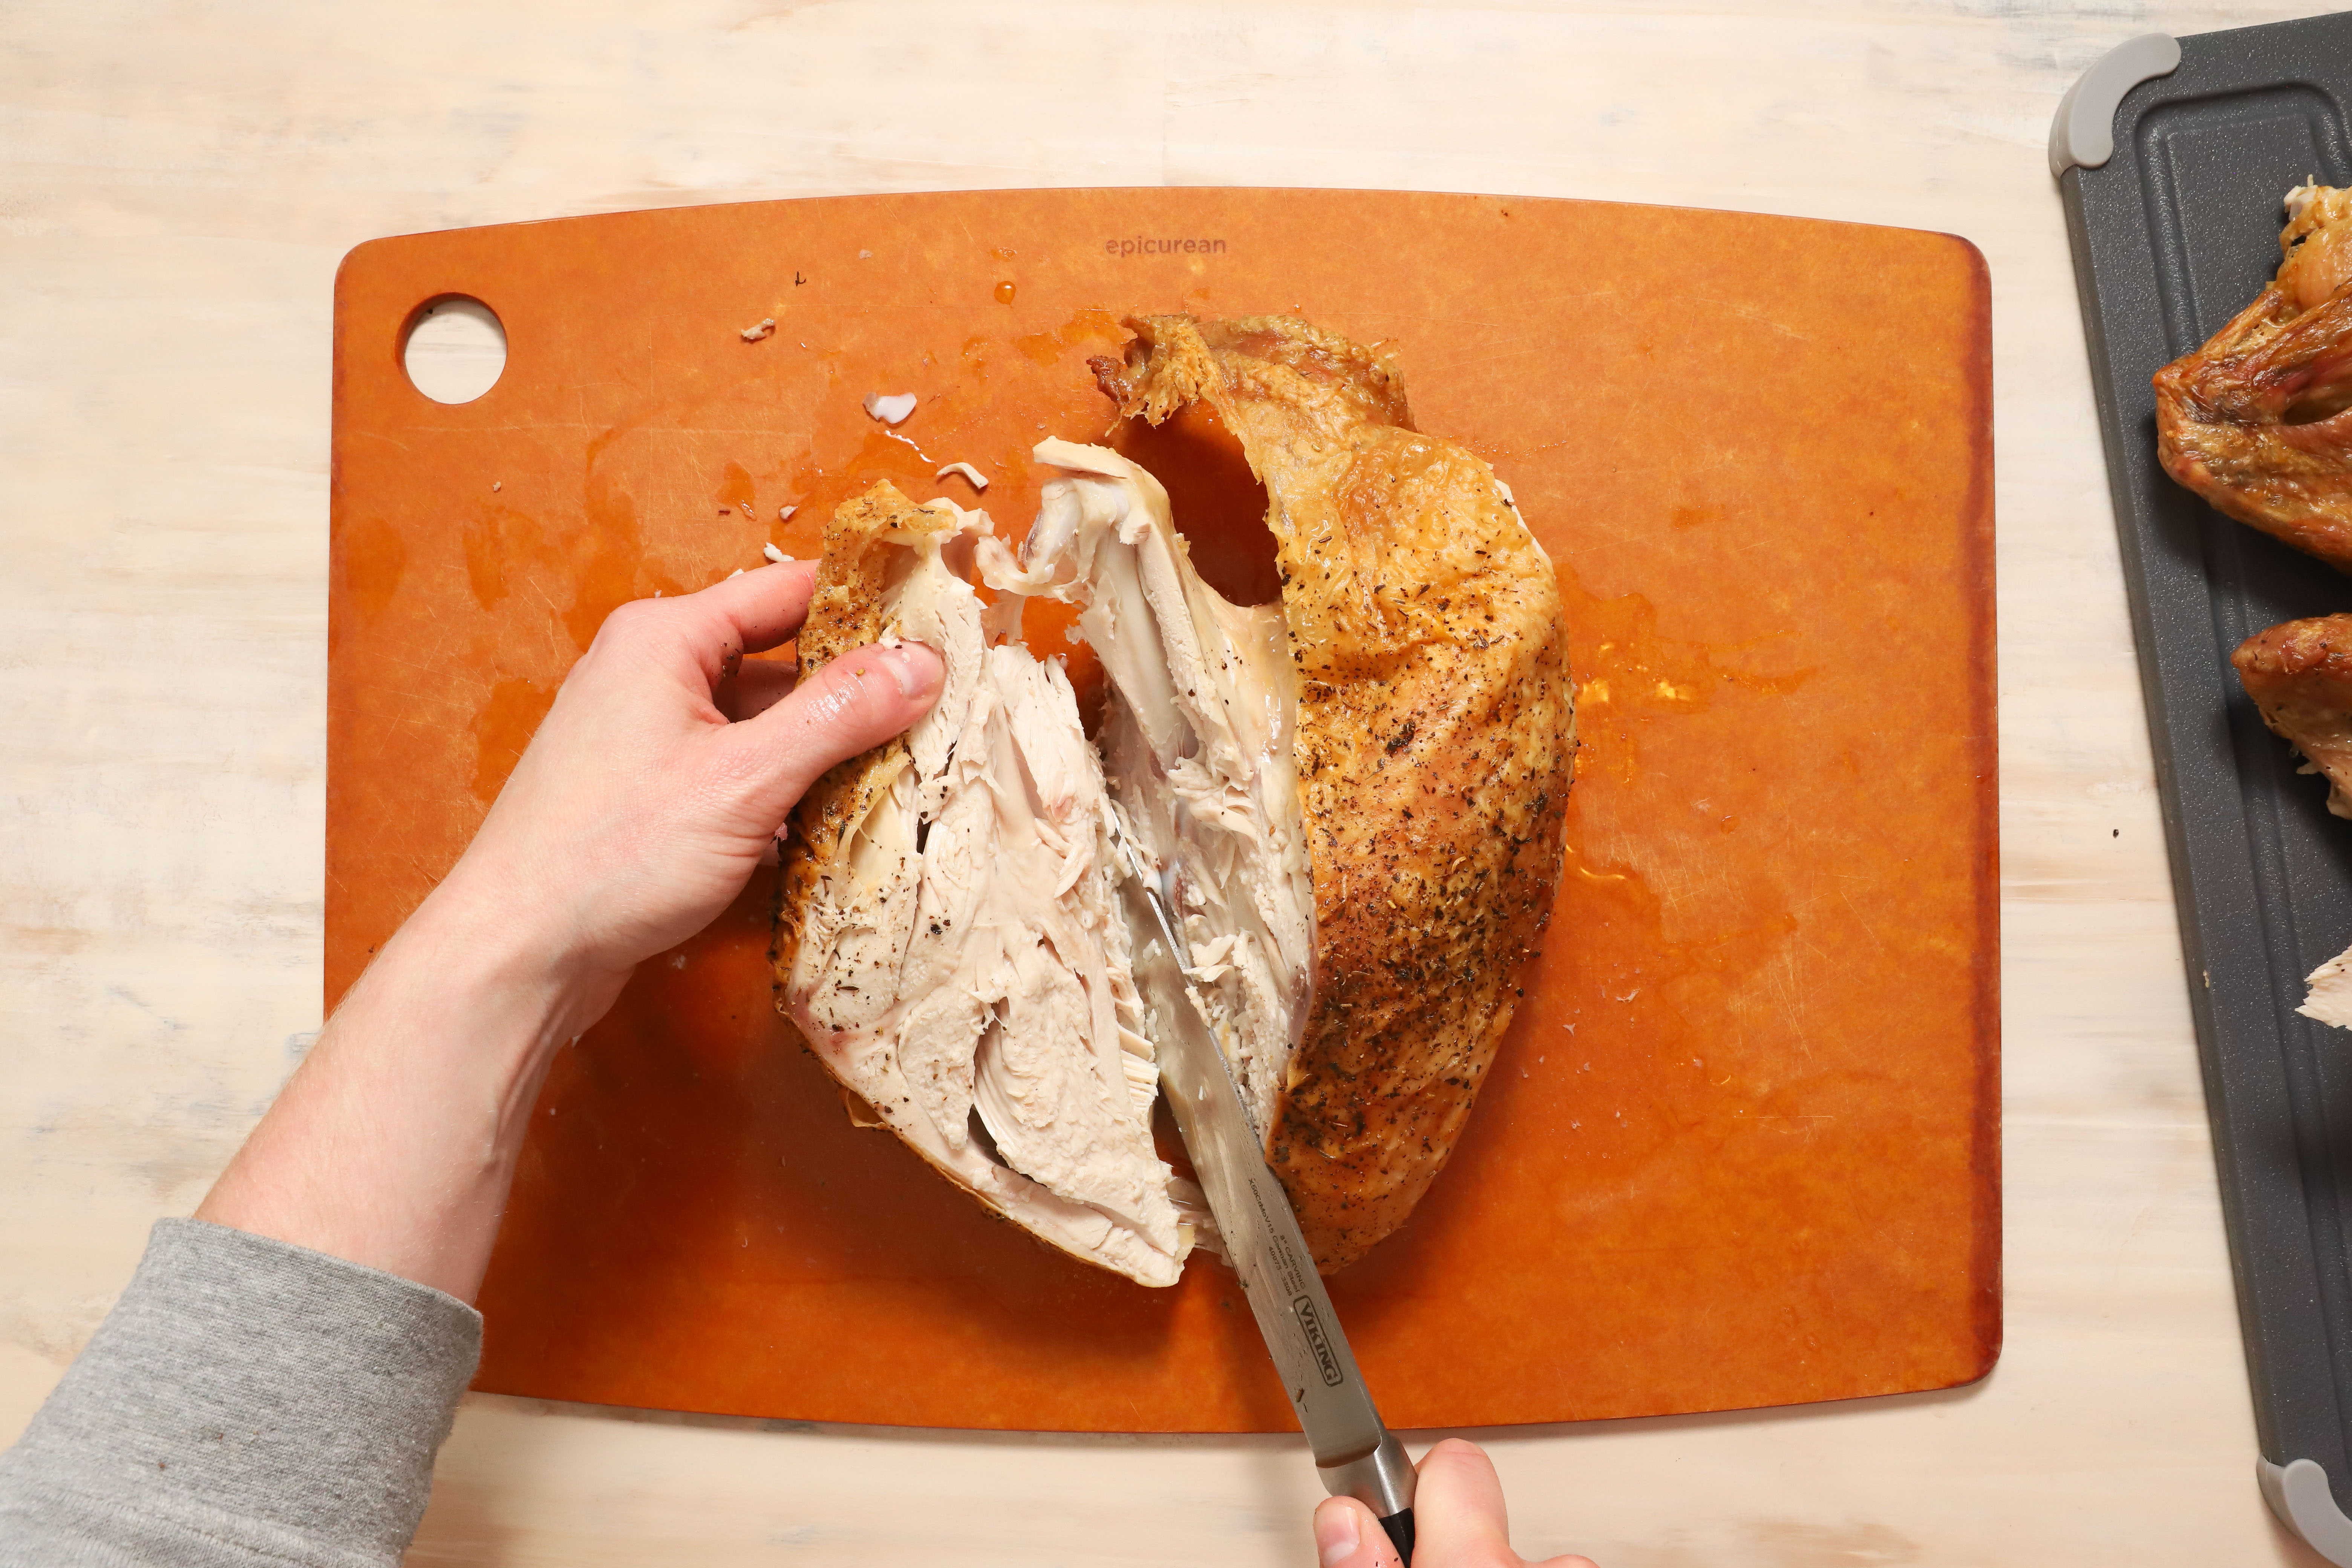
(2255, 421)
(1435, 742)
(845, 612)
(2299, 674)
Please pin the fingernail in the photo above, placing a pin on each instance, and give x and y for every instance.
(1335, 1535)
(910, 665)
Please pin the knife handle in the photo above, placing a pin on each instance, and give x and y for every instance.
(1400, 1528)
(1382, 1480)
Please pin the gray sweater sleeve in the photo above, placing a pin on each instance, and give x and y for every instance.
(247, 1402)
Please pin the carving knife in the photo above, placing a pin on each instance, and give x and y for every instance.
(1357, 1457)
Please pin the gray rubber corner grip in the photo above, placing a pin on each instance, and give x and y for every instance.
(2297, 1492)
(2083, 133)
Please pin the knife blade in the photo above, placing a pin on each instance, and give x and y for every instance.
(1357, 1456)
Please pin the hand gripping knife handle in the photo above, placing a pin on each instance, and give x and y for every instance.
(1383, 1481)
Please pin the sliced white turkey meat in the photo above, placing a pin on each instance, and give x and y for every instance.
(1196, 741)
(958, 959)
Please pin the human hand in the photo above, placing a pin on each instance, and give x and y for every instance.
(639, 810)
(634, 816)
(1457, 1516)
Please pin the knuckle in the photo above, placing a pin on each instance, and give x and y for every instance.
(627, 621)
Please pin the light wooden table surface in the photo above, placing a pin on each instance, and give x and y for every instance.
(177, 183)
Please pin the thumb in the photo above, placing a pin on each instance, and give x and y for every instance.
(1458, 1511)
(1349, 1535)
(857, 702)
(1458, 1504)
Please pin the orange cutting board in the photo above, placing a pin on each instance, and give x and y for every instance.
(1741, 1146)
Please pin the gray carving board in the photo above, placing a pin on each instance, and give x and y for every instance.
(2172, 159)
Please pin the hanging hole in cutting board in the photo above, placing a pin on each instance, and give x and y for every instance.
(455, 349)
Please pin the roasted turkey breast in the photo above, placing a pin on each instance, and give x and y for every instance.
(2255, 421)
(1356, 798)
(1435, 744)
